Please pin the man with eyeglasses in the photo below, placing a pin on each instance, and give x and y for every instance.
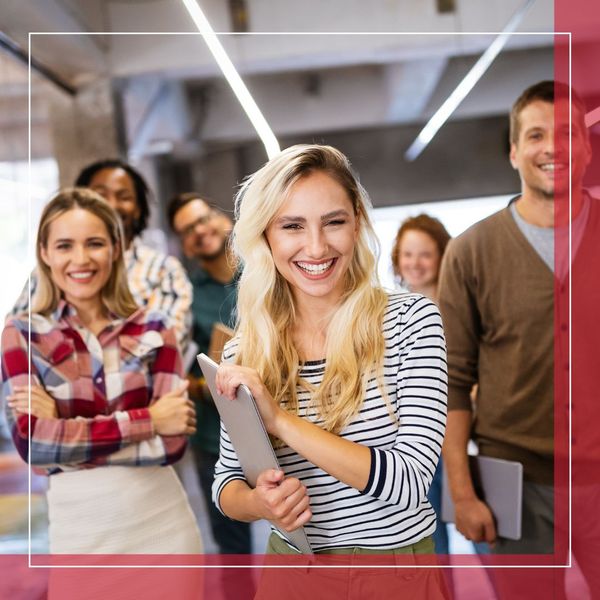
(203, 232)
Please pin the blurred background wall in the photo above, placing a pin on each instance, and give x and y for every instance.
(133, 78)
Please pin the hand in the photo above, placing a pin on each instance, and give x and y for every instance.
(230, 377)
(475, 521)
(281, 500)
(43, 406)
(174, 413)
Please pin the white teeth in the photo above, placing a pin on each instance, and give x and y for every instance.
(81, 275)
(315, 269)
(552, 167)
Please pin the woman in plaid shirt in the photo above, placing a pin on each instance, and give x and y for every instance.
(104, 388)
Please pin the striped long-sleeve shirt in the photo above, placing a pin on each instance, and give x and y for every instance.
(102, 386)
(157, 282)
(393, 510)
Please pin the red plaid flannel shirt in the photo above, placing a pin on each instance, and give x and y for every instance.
(102, 387)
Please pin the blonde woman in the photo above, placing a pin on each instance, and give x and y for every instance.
(109, 410)
(350, 381)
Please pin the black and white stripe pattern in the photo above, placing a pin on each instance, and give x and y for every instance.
(393, 509)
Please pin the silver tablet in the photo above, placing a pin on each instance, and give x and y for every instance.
(499, 483)
(249, 438)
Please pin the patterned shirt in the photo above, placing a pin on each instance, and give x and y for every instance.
(157, 282)
(393, 510)
(102, 386)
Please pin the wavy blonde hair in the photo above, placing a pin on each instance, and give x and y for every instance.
(115, 295)
(266, 313)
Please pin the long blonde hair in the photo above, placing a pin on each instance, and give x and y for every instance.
(115, 295)
(354, 344)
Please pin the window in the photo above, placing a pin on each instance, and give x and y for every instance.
(456, 215)
(18, 221)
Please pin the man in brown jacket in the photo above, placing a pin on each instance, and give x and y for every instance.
(497, 298)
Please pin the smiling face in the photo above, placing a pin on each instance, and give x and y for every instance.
(117, 188)
(203, 231)
(80, 256)
(312, 237)
(418, 259)
(541, 153)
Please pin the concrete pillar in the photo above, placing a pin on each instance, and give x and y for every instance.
(84, 128)
(217, 176)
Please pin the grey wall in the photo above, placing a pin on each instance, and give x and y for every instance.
(446, 170)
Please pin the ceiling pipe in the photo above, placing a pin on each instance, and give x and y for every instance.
(11, 47)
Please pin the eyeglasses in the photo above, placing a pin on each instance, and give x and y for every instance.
(188, 230)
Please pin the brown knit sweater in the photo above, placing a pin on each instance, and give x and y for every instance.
(497, 303)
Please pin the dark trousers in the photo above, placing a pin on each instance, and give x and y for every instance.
(440, 536)
(537, 537)
(232, 537)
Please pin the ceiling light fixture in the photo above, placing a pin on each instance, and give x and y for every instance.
(233, 78)
(466, 85)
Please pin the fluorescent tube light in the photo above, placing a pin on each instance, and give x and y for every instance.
(466, 85)
(233, 78)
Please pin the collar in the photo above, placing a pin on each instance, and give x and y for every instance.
(586, 199)
(65, 315)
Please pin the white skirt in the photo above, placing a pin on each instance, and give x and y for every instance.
(121, 510)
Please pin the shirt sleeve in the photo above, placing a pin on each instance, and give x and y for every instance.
(227, 468)
(402, 474)
(167, 375)
(54, 443)
(461, 323)
(22, 303)
(173, 297)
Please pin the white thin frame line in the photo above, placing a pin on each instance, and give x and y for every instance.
(300, 33)
(300, 566)
(570, 373)
(29, 363)
(482, 566)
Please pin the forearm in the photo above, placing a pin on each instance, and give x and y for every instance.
(78, 440)
(347, 461)
(157, 451)
(388, 472)
(237, 501)
(456, 459)
(473, 517)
